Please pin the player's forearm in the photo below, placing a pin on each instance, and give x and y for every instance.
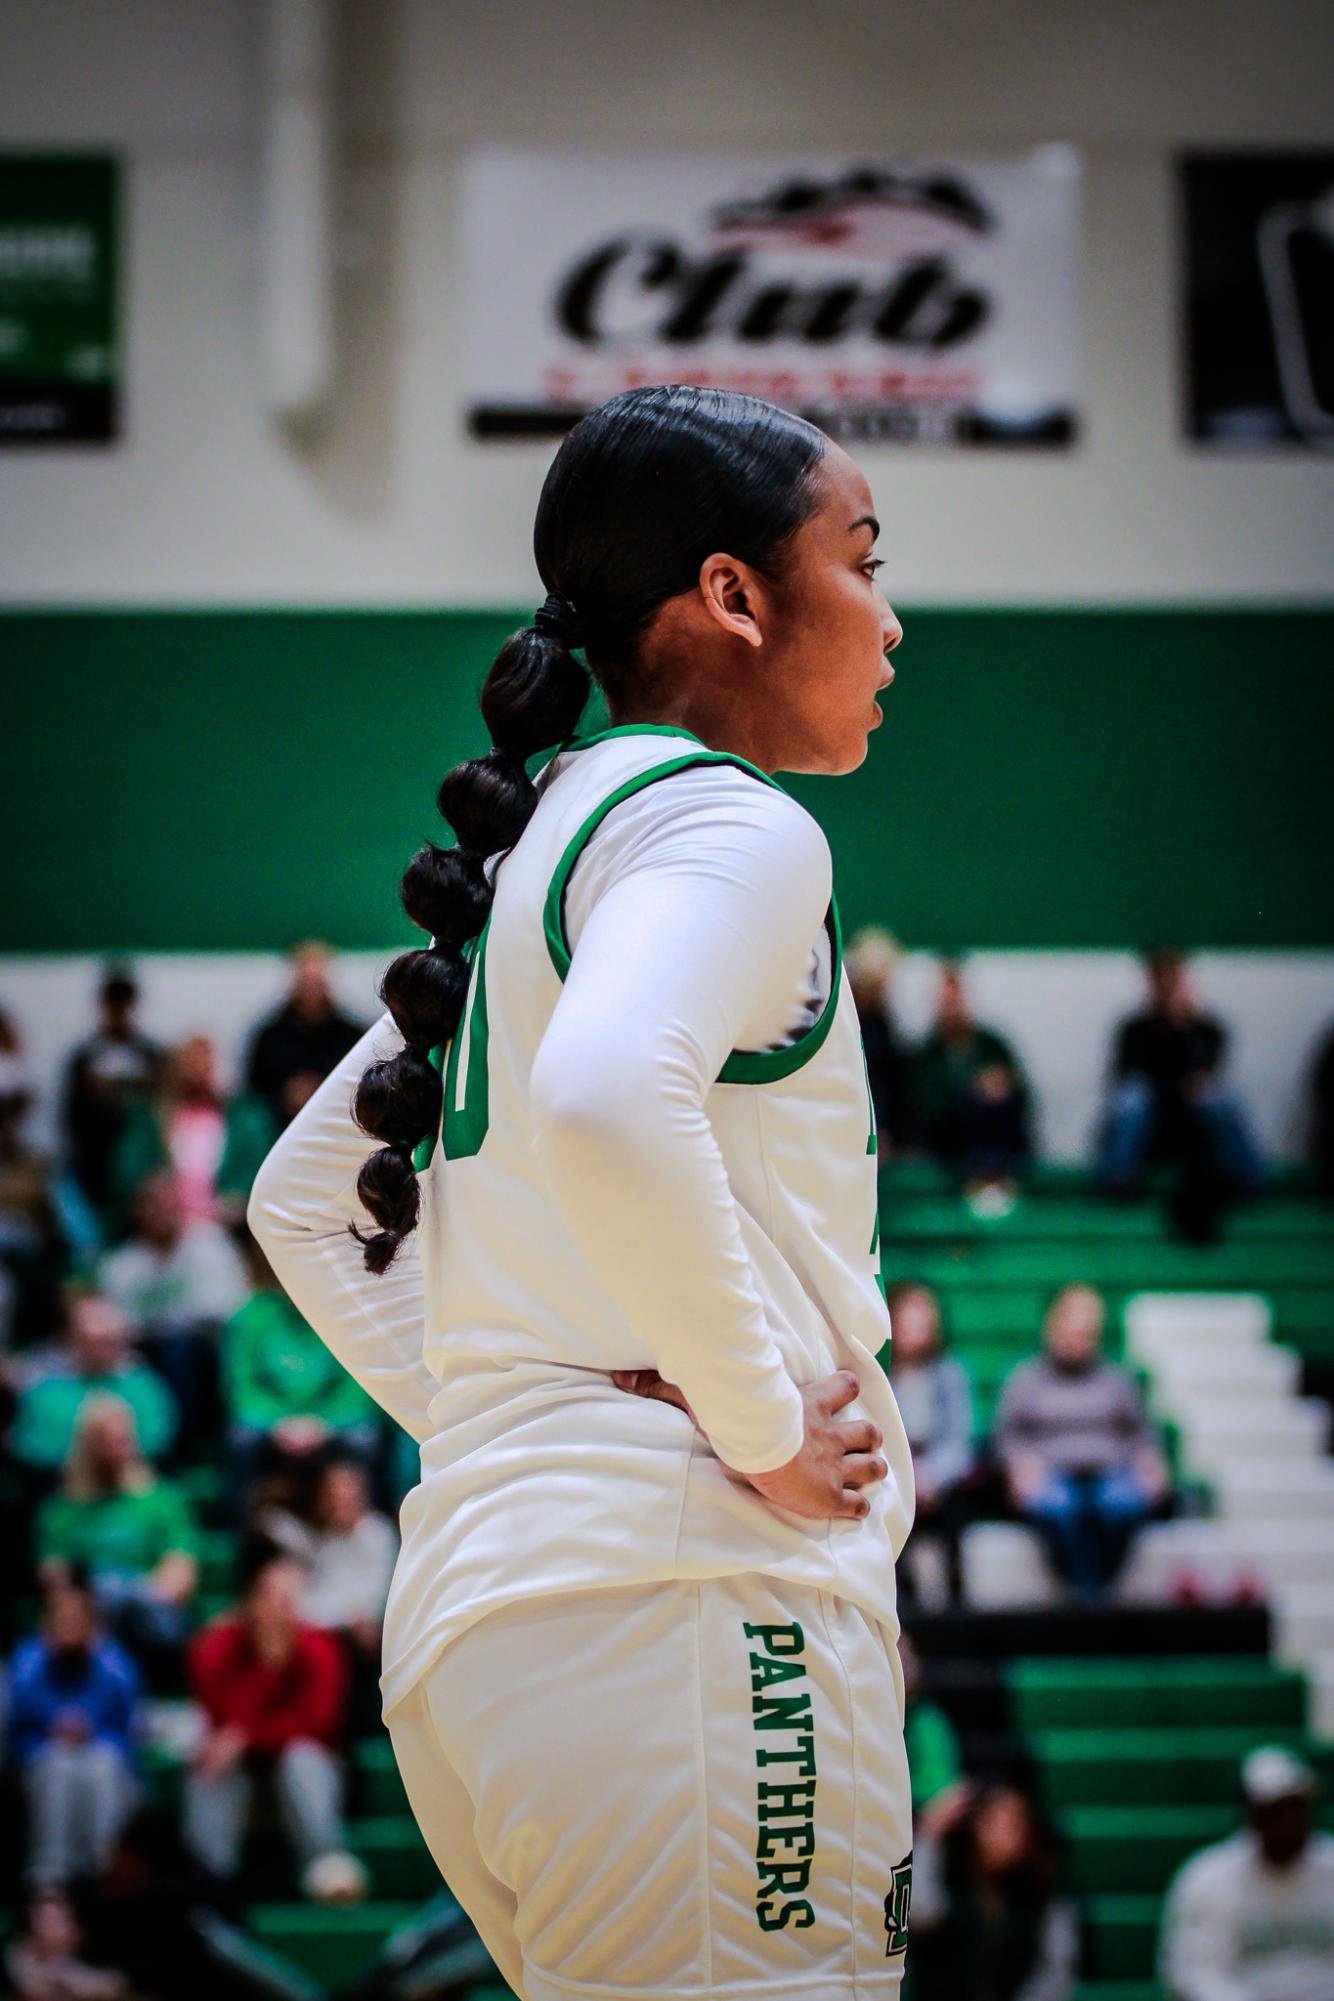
(632, 1163)
(303, 1199)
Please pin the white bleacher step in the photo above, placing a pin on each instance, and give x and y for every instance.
(1160, 1323)
(1303, 1621)
(1284, 1552)
(1212, 1401)
(1297, 1428)
(1291, 1489)
(1003, 1564)
(1320, 1697)
(1263, 1539)
(1239, 1369)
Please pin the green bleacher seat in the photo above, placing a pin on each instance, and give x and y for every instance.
(378, 1780)
(1107, 1766)
(1118, 1990)
(1142, 1267)
(1129, 1694)
(1123, 1935)
(217, 1562)
(331, 1945)
(398, 1859)
(1124, 1849)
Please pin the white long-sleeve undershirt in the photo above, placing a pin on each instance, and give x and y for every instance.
(693, 917)
(303, 1199)
(690, 938)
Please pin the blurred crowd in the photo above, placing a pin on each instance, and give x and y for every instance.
(1071, 1451)
(197, 1505)
(1170, 1117)
(152, 1370)
(1248, 1918)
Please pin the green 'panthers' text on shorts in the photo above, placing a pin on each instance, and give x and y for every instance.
(780, 1714)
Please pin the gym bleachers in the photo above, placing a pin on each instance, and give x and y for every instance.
(1134, 1719)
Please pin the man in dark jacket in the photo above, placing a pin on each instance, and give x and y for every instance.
(116, 1067)
(295, 1048)
(1167, 1100)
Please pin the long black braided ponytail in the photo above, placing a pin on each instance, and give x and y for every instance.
(533, 696)
(640, 492)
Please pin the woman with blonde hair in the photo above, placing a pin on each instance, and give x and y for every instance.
(130, 1530)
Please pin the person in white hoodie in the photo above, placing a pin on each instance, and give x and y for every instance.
(615, 1264)
(1252, 1918)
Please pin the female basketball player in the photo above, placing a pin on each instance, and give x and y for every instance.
(639, 1661)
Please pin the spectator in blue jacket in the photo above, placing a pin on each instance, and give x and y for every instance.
(73, 1701)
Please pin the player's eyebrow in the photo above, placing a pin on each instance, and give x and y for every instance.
(866, 521)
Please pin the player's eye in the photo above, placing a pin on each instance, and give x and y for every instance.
(875, 563)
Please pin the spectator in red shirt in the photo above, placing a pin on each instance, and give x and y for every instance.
(274, 1691)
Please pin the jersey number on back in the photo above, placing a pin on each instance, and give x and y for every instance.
(467, 1107)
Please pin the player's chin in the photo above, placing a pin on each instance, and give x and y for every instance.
(857, 743)
(852, 752)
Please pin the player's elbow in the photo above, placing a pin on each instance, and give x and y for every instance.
(584, 1115)
(267, 1215)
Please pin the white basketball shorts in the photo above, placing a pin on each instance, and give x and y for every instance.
(672, 1790)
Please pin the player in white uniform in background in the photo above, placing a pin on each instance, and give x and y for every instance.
(616, 1264)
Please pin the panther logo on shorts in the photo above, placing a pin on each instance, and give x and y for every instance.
(897, 1905)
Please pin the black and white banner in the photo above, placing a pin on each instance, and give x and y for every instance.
(1259, 305)
(928, 300)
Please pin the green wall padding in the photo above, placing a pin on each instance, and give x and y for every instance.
(201, 780)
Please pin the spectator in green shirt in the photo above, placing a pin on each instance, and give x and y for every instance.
(131, 1531)
(99, 1358)
(935, 1767)
(285, 1396)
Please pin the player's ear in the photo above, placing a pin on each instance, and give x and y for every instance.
(730, 598)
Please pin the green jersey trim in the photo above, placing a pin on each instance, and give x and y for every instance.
(463, 1127)
(634, 729)
(743, 1066)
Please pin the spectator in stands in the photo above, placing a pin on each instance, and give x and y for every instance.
(212, 1147)
(284, 1394)
(347, 1551)
(114, 1069)
(940, 1792)
(72, 1720)
(274, 1690)
(129, 1530)
(46, 1963)
(35, 1230)
(146, 1919)
(1322, 1104)
(871, 957)
(434, 1955)
(1252, 1918)
(989, 1919)
(1168, 1102)
(178, 1280)
(98, 1359)
(935, 1401)
(294, 1049)
(972, 1102)
(1079, 1456)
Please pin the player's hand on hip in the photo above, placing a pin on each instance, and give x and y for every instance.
(839, 1458)
(648, 1383)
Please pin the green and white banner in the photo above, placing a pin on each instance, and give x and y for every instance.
(59, 305)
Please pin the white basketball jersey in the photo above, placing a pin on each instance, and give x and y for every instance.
(542, 1476)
